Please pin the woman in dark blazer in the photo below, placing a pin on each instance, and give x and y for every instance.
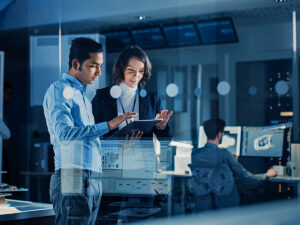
(132, 70)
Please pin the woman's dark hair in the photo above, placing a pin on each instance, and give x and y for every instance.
(212, 127)
(81, 49)
(123, 59)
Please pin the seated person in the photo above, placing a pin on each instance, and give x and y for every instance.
(214, 169)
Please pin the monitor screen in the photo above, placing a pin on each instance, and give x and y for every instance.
(116, 41)
(140, 161)
(121, 159)
(181, 35)
(148, 37)
(217, 31)
(202, 137)
(131, 168)
(264, 143)
(231, 139)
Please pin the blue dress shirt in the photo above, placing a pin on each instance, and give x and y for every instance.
(71, 125)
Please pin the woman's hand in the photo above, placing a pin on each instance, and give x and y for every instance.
(165, 118)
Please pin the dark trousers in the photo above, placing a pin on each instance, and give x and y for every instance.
(75, 195)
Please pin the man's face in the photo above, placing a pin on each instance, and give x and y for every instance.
(90, 69)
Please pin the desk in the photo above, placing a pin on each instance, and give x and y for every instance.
(178, 201)
(176, 173)
(275, 213)
(288, 179)
(25, 212)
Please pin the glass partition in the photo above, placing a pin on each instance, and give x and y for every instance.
(238, 63)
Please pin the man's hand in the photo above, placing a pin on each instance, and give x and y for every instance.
(271, 173)
(165, 118)
(134, 136)
(130, 141)
(115, 122)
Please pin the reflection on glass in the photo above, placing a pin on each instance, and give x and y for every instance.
(260, 56)
(131, 167)
(71, 156)
(115, 91)
(143, 93)
(172, 90)
(252, 90)
(72, 181)
(282, 87)
(223, 88)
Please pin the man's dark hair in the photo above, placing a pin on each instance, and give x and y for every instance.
(212, 127)
(81, 49)
(132, 51)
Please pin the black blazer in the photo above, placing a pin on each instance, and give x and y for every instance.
(105, 109)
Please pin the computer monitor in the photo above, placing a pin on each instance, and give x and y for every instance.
(140, 161)
(217, 31)
(123, 160)
(117, 40)
(148, 37)
(231, 139)
(130, 168)
(202, 139)
(264, 143)
(181, 35)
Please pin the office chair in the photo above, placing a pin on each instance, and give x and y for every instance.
(214, 187)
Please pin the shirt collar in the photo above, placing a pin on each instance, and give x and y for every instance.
(211, 145)
(75, 82)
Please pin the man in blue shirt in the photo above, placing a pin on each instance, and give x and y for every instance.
(75, 187)
(211, 157)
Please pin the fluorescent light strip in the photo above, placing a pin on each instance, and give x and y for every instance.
(294, 32)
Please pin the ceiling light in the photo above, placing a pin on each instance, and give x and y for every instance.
(142, 18)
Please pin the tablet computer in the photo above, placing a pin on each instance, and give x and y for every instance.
(146, 126)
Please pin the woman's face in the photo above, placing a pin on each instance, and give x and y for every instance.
(134, 72)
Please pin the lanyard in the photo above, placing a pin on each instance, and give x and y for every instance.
(133, 103)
